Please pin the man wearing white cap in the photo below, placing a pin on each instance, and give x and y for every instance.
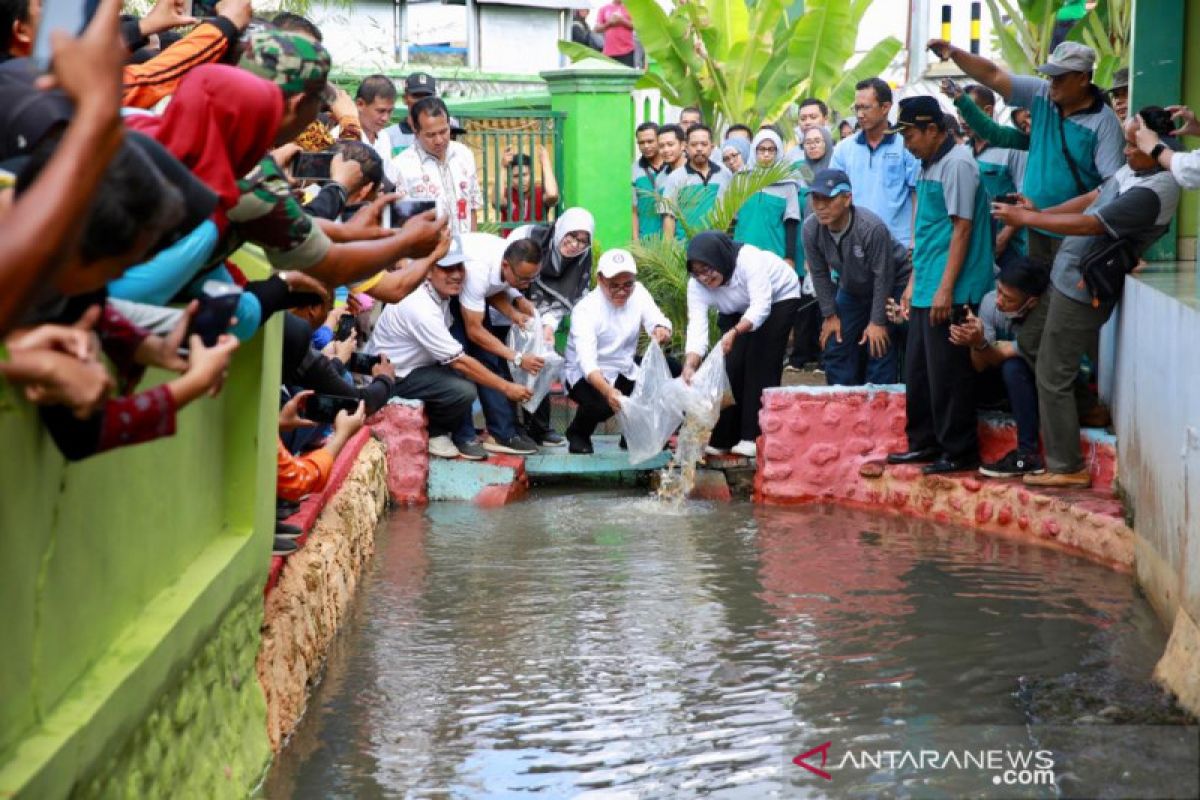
(1075, 143)
(430, 363)
(602, 349)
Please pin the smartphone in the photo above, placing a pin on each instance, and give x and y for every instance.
(324, 408)
(218, 302)
(1010, 199)
(68, 16)
(950, 87)
(361, 363)
(312, 166)
(345, 327)
(958, 316)
(401, 211)
(200, 8)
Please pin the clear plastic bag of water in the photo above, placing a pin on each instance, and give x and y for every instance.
(530, 341)
(647, 417)
(709, 392)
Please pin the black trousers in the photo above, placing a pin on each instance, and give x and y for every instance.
(593, 408)
(806, 334)
(940, 390)
(755, 363)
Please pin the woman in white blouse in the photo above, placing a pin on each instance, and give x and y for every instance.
(756, 295)
(602, 349)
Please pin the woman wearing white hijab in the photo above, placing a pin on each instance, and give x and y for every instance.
(770, 219)
(566, 270)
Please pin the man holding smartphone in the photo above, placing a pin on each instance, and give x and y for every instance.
(952, 268)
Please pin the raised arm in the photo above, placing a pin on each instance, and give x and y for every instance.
(976, 67)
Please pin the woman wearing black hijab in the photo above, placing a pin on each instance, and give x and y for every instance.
(756, 295)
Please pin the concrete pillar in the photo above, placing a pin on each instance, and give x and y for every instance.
(597, 142)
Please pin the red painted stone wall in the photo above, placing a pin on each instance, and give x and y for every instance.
(401, 429)
(816, 442)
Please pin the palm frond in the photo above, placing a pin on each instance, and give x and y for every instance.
(744, 186)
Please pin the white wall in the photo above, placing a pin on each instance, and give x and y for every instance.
(515, 39)
(1156, 410)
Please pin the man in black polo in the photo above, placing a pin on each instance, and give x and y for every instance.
(417, 86)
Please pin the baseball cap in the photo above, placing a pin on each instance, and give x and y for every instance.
(615, 262)
(420, 83)
(290, 61)
(1069, 57)
(454, 256)
(918, 111)
(830, 183)
(27, 114)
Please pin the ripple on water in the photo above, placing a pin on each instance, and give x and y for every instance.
(608, 645)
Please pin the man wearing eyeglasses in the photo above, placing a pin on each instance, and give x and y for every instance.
(602, 351)
(882, 172)
(497, 272)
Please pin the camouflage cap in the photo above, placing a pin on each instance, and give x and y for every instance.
(290, 61)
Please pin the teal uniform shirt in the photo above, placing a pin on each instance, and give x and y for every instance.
(948, 185)
(1092, 136)
(696, 194)
(760, 221)
(644, 202)
(1002, 171)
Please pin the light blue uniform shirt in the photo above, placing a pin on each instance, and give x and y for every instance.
(883, 179)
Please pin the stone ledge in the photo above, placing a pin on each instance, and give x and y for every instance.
(821, 445)
(317, 583)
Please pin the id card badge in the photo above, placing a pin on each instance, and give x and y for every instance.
(462, 208)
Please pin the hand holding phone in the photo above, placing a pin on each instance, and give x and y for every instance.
(64, 16)
(218, 303)
(361, 363)
(312, 166)
(345, 327)
(401, 211)
(323, 408)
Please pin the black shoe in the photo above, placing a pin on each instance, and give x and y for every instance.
(285, 509)
(622, 444)
(287, 531)
(578, 444)
(1014, 465)
(284, 547)
(549, 439)
(518, 445)
(948, 464)
(922, 456)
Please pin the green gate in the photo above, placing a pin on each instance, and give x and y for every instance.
(526, 132)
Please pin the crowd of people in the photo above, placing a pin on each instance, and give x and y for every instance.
(137, 166)
(972, 260)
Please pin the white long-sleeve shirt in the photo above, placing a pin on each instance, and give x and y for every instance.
(760, 280)
(605, 337)
(1186, 169)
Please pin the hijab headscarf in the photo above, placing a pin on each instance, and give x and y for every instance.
(220, 124)
(743, 149)
(818, 164)
(717, 250)
(767, 135)
(562, 280)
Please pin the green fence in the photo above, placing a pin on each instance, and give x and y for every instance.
(524, 135)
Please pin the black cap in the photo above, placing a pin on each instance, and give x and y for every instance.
(830, 183)
(420, 83)
(27, 114)
(918, 111)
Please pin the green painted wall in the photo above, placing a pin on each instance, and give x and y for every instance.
(597, 143)
(1189, 210)
(116, 571)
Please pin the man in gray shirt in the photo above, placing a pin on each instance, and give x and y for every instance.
(871, 266)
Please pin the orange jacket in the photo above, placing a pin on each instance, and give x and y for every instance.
(301, 475)
(146, 84)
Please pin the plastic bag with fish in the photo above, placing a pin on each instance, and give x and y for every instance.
(646, 417)
(530, 340)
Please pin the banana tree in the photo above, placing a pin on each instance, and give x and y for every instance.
(749, 63)
(1107, 29)
(1024, 31)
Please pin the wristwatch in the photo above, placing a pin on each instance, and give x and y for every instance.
(1157, 151)
(517, 361)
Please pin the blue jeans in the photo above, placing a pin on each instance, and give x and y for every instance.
(847, 363)
(1021, 383)
(498, 410)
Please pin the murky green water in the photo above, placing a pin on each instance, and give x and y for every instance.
(599, 643)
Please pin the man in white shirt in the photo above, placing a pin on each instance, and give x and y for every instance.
(436, 168)
(376, 102)
(430, 363)
(497, 271)
(601, 362)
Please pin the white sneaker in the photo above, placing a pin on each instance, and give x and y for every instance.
(442, 447)
(745, 448)
(709, 450)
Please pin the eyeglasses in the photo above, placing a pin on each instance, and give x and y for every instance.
(766, 148)
(814, 142)
(576, 241)
(621, 288)
(700, 270)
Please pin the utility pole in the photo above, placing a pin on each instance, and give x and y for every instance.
(918, 35)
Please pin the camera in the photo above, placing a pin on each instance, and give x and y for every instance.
(361, 363)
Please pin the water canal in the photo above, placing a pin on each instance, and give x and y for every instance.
(605, 645)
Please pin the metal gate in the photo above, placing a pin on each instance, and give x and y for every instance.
(524, 135)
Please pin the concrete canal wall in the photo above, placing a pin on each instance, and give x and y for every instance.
(132, 584)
